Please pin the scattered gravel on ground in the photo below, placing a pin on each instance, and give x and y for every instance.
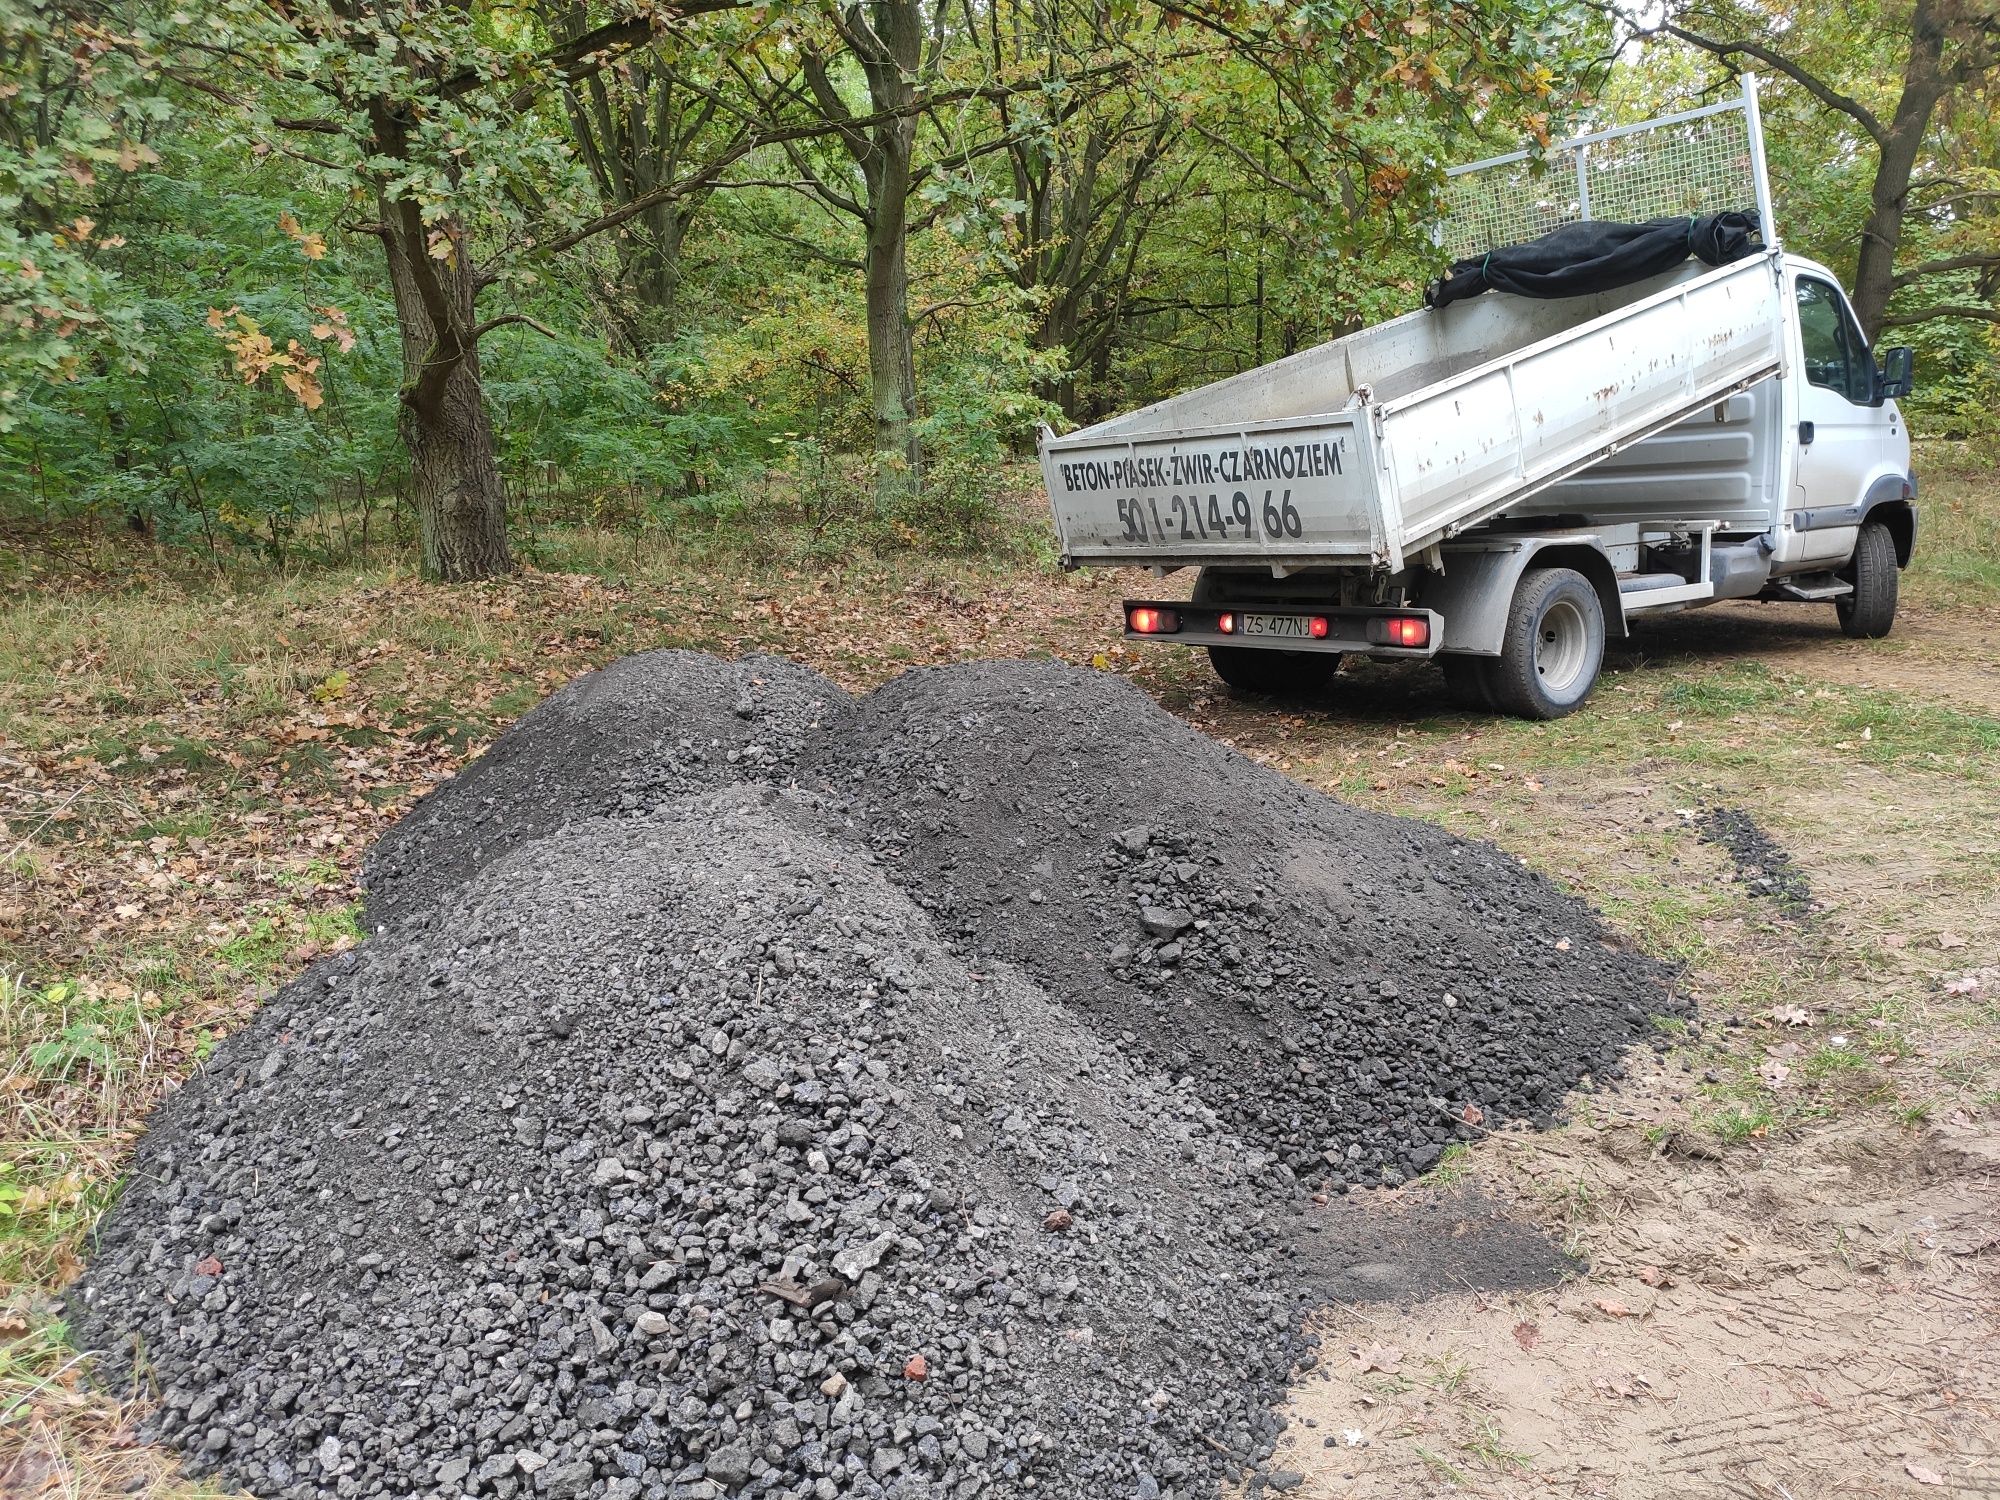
(620, 740)
(1762, 864)
(946, 1125)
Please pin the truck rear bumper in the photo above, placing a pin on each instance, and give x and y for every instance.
(1285, 627)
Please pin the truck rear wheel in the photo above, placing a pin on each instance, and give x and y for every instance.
(1249, 669)
(1273, 673)
(1554, 646)
(1868, 613)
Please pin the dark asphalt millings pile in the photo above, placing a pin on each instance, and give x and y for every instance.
(1339, 984)
(938, 1127)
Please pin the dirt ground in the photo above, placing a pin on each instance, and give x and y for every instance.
(1817, 1321)
(1785, 1296)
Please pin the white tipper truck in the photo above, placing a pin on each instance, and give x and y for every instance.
(1503, 481)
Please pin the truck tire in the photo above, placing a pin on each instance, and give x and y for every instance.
(1553, 648)
(1273, 673)
(1249, 669)
(1868, 613)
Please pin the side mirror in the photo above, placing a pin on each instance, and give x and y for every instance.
(1897, 375)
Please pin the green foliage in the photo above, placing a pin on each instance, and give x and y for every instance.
(77, 104)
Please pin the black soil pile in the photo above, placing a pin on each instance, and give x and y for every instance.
(621, 740)
(1351, 989)
(943, 1128)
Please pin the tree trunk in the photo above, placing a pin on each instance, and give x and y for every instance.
(655, 267)
(460, 500)
(1924, 83)
(885, 162)
(892, 371)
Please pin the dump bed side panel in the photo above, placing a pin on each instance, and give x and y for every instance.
(1458, 452)
(1291, 492)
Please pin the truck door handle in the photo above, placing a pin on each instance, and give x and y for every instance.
(1805, 434)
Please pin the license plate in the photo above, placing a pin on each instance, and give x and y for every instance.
(1292, 627)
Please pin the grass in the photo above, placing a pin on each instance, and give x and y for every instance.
(1454, 1164)
(1438, 1466)
(1488, 1445)
(1958, 544)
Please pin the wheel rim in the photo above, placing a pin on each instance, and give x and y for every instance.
(1562, 648)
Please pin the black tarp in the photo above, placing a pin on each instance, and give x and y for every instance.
(1597, 255)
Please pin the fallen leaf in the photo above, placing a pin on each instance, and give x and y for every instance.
(1950, 940)
(1527, 1335)
(1057, 1221)
(1562, 945)
(1472, 1114)
(1791, 1015)
(1611, 1307)
(1922, 1475)
(1377, 1357)
(1654, 1276)
(1774, 1073)
(208, 1265)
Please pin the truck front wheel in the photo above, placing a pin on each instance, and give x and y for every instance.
(1554, 646)
(1869, 612)
(1273, 673)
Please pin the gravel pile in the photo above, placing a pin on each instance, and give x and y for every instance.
(621, 740)
(1351, 990)
(936, 1127)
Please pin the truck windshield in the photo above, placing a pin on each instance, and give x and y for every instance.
(1835, 356)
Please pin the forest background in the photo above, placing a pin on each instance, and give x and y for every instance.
(318, 281)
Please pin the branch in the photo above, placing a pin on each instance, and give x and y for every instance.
(586, 54)
(749, 142)
(804, 247)
(1818, 88)
(1939, 267)
(504, 319)
(1971, 195)
(1943, 310)
(215, 91)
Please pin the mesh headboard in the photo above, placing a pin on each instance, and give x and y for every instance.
(1699, 161)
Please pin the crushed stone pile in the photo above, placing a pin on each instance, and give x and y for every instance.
(622, 740)
(933, 1126)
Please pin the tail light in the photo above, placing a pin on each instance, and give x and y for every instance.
(1409, 632)
(1318, 627)
(1226, 623)
(1146, 620)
